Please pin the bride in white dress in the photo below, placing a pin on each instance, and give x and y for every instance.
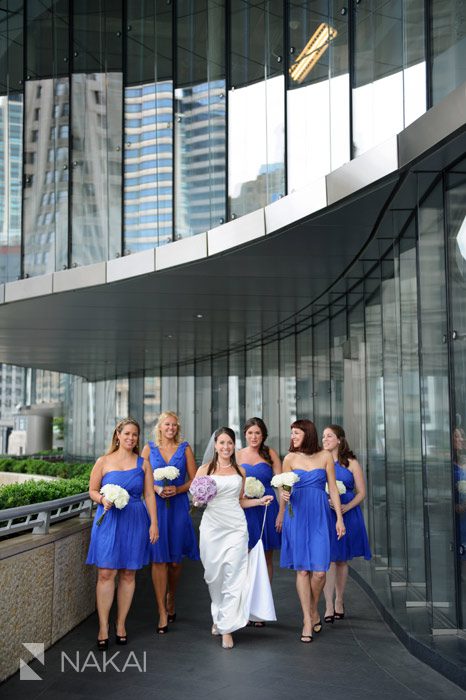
(224, 542)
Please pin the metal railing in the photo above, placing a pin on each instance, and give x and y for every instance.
(39, 516)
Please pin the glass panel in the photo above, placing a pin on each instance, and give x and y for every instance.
(236, 393)
(456, 198)
(287, 390)
(96, 167)
(122, 398)
(392, 403)
(256, 172)
(169, 399)
(47, 43)
(151, 405)
(46, 158)
(436, 409)
(203, 407)
(253, 382)
(11, 47)
(389, 67)
(318, 95)
(321, 375)
(448, 38)
(148, 150)
(354, 379)
(97, 35)
(186, 399)
(377, 491)
(219, 391)
(338, 336)
(304, 375)
(271, 395)
(200, 127)
(11, 161)
(411, 422)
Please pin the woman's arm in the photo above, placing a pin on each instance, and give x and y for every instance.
(355, 469)
(149, 498)
(277, 469)
(95, 483)
(334, 495)
(190, 469)
(246, 502)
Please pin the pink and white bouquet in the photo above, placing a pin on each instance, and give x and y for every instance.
(203, 489)
(285, 481)
(166, 474)
(117, 495)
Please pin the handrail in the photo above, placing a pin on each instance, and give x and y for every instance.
(39, 516)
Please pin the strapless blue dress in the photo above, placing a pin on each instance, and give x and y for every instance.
(177, 538)
(121, 541)
(271, 539)
(355, 543)
(306, 534)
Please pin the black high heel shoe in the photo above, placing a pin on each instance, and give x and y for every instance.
(329, 619)
(339, 616)
(122, 640)
(162, 630)
(317, 627)
(171, 618)
(102, 644)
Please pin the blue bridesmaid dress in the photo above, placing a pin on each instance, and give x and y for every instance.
(305, 534)
(355, 542)
(121, 541)
(177, 538)
(271, 539)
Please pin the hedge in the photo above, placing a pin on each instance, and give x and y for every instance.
(74, 478)
(65, 470)
(16, 495)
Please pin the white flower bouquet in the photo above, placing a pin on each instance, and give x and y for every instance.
(117, 495)
(253, 488)
(461, 486)
(166, 474)
(286, 481)
(340, 486)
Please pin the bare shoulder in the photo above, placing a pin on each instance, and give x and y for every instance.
(287, 461)
(202, 471)
(145, 451)
(354, 466)
(325, 458)
(242, 470)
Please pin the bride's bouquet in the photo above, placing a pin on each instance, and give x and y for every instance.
(117, 495)
(253, 488)
(203, 489)
(340, 486)
(286, 481)
(166, 474)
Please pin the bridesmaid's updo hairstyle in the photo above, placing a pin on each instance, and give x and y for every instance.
(310, 444)
(344, 452)
(264, 451)
(232, 436)
(158, 428)
(115, 444)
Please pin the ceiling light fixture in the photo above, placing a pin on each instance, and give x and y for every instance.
(314, 49)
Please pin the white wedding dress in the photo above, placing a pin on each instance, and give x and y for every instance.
(238, 583)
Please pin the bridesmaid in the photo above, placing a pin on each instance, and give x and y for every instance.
(262, 462)
(120, 544)
(305, 536)
(355, 544)
(177, 537)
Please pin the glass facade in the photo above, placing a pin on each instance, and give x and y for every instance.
(128, 124)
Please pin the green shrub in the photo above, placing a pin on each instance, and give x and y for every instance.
(65, 470)
(16, 495)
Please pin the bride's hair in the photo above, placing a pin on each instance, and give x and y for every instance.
(232, 436)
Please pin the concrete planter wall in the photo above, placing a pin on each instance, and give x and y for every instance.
(46, 589)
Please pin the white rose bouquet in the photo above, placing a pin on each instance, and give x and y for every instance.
(461, 486)
(286, 481)
(117, 495)
(253, 488)
(166, 474)
(340, 486)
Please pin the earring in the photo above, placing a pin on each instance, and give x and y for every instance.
(118, 443)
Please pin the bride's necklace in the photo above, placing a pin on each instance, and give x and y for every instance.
(224, 466)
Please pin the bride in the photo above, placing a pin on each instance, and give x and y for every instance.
(224, 541)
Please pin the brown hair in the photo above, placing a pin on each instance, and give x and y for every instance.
(115, 444)
(213, 464)
(310, 444)
(264, 451)
(158, 431)
(344, 452)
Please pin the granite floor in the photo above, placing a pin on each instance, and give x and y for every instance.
(357, 657)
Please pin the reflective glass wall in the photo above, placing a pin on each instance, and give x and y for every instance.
(127, 124)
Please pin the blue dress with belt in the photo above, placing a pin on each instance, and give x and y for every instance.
(305, 534)
(121, 541)
(177, 538)
(355, 543)
(271, 539)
